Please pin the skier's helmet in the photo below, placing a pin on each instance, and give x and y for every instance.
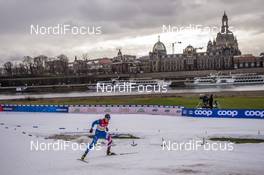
(108, 116)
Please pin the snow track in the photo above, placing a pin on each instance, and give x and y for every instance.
(17, 158)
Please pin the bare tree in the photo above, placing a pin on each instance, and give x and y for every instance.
(85, 56)
(39, 64)
(8, 67)
(50, 66)
(22, 69)
(63, 64)
(29, 64)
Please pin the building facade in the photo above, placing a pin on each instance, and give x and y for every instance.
(218, 56)
(124, 63)
(248, 61)
(222, 53)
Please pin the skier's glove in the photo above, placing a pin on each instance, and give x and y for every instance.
(106, 129)
(91, 130)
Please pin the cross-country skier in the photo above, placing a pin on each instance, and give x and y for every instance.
(100, 133)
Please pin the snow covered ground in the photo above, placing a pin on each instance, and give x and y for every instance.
(16, 157)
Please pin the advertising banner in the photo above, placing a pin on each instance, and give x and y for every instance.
(35, 108)
(224, 113)
(127, 109)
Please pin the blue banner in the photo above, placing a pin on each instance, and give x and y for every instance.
(29, 108)
(224, 113)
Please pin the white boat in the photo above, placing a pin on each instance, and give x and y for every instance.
(232, 79)
(133, 82)
(21, 89)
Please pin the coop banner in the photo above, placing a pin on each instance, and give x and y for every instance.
(224, 113)
(34, 108)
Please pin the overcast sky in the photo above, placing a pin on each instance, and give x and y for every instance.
(133, 25)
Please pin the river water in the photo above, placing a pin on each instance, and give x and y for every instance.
(94, 93)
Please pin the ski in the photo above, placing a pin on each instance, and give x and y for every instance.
(121, 154)
(85, 161)
(115, 154)
(127, 153)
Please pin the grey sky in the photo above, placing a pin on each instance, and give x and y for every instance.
(131, 24)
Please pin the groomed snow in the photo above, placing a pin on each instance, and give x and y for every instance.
(17, 158)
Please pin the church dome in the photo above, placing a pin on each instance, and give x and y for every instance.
(189, 50)
(159, 47)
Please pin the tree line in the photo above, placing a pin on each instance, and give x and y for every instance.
(36, 66)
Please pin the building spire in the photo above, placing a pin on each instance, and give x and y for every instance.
(224, 28)
(158, 38)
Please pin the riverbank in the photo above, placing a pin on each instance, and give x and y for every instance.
(235, 100)
(80, 82)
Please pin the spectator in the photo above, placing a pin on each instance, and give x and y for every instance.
(211, 101)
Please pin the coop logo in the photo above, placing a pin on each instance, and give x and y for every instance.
(254, 113)
(232, 113)
(203, 112)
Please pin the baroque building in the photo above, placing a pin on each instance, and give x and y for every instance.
(218, 56)
(248, 61)
(124, 63)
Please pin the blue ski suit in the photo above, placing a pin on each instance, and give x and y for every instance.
(100, 133)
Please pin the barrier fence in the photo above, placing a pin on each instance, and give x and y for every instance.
(138, 109)
(97, 109)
